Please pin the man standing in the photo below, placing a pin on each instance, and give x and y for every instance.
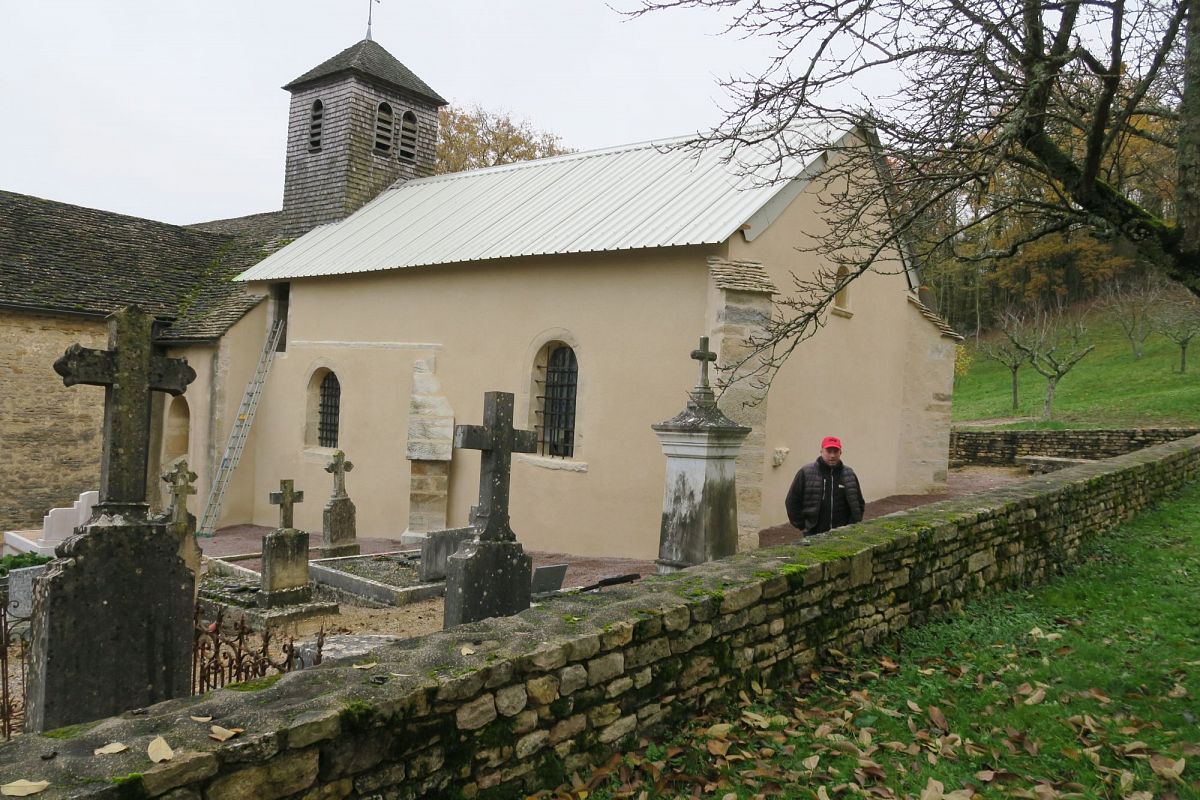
(825, 494)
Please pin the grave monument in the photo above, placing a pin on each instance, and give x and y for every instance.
(490, 574)
(285, 555)
(338, 536)
(182, 524)
(112, 615)
(699, 519)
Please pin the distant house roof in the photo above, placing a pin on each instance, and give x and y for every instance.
(370, 60)
(65, 259)
(655, 194)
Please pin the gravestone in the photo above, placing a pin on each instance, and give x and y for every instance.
(112, 615)
(338, 535)
(436, 549)
(57, 525)
(548, 579)
(285, 555)
(699, 518)
(20, 589)
(182, 524)
(489, 575)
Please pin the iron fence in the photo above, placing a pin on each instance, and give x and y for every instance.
(224, 654)
(14, 658)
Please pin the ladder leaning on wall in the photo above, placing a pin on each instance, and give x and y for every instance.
(238, 434)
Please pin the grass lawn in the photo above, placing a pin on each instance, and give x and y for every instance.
(1108, 388)
(1083, 687)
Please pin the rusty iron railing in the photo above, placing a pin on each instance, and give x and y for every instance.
(223, 654)
(14, 656)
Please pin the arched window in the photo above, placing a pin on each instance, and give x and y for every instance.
(384, 129)
(328, 411)
(314, 126)
(557, 431)
(408, 136)
(841, 299)
(176, 431)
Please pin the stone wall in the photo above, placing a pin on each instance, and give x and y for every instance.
(49, 434)
(1003, 448)
(502, 707)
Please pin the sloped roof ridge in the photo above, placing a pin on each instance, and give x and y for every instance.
(371, 59)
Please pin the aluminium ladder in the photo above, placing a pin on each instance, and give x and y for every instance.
(238, 434)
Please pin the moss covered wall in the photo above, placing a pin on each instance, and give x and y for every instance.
(1002, 448)
(503, 707)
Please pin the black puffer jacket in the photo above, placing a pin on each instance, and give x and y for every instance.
(822, 498)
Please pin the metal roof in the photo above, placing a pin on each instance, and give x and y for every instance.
(654, 194)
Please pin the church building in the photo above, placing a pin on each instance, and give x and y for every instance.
(372, 313)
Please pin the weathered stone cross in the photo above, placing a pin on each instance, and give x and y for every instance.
(702, 395)
(129, 371)
(286, 498)
(338, 468)
(181, 480)
(498, 440)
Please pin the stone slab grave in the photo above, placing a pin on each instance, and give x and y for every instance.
(57, 525)
(338, 531)
(112, 615)
(284, 593)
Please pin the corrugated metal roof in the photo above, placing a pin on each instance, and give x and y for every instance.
(653, 194)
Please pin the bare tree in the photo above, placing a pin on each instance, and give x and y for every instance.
(1134, 303)
(1006, 353)
(1053, 343)
(1018, 114)
(1179, 321)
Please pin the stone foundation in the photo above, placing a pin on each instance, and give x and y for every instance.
(507, 706)
(1004, 448)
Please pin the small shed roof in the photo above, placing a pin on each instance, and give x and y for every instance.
(654, 194)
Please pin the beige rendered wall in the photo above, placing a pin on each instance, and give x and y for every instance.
(632, 318)
(848, 380)
(49, 434)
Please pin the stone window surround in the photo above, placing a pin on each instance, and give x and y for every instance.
(841, 298)
(537, 354)
(312, 408)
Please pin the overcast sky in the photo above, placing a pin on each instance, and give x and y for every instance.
(171, 109)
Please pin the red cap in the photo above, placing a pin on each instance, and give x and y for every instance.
(831, 441)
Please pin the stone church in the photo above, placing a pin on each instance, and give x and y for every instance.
(382, 301)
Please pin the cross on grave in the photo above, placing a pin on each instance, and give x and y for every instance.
(338, 468)
(181, 480)
(286, 498)
(703, 395)
(129, 371)
(498, 440)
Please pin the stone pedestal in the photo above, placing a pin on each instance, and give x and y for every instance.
(285, 568)
(338, 532)
(184, 534)
(112, 624)
(699, 519)
(486, 579)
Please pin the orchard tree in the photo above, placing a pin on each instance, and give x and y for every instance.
(1003, 351)
(1179, 321)
(1134, 303)
(1053, 341)
(472, 138)
(1012, 111)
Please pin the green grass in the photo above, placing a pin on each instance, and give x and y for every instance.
(1084, 687)
(1108, 388)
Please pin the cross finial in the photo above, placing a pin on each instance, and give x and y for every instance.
(370, 10)
(338, 467)
(703, 355)
(498, 440)
(182, 483)
(286, 498)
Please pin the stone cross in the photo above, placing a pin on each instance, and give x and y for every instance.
(181, 480)
(703, 355)
(338, 468)
(129, 371)
(286, 498)
(498, 440)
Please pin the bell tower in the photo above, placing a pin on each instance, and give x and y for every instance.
(358, 123)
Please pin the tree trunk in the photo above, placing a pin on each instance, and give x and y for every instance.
(1014, 384)
(1188, 152)
(1183, 358)
(1048, 408)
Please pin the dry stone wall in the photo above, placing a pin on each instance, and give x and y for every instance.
(1003, 448)
(502, 707)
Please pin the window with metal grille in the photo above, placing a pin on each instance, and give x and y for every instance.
(558, 404)
(314, 126)
(383, 129)
(408, 136)
(327, 413)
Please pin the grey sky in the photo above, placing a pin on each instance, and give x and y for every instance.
(173, 111)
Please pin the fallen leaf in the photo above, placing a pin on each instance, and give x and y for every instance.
(938, 719)
(1167, 768)
(109, 749)
(467, 650)
(811, 762)
(1178, 692)
(367, 665)
(23, 788)
(400, 674)
(223, 734)
(822, 794)
(1036, 697)
(913, 706)
(718, 747)
(730, 796)
(201, 719)
(159, 750)
(720, 730)
(933, 790)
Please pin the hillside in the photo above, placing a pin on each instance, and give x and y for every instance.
(1107, 389)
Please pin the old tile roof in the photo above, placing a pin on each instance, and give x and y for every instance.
(939, 323)
(369, 59)
(61, 258)
(741, 276)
